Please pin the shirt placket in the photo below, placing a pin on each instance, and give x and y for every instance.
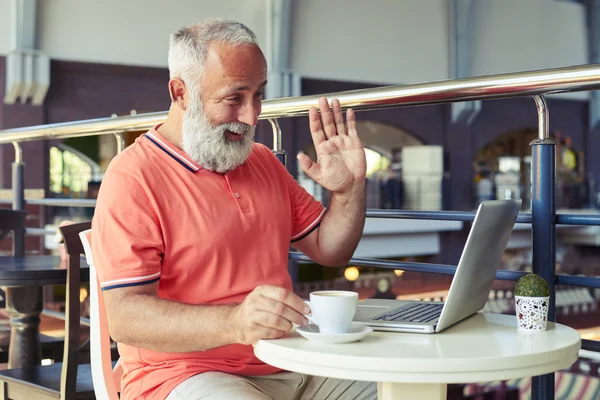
(237, 195)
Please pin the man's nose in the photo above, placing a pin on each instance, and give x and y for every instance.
(249, 114)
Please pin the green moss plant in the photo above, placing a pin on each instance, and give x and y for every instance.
(532, 285)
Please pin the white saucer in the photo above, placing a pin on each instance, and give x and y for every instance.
(357, 332)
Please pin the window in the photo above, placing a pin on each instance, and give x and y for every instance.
(70, 171)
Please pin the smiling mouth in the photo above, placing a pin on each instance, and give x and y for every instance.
(233, 135)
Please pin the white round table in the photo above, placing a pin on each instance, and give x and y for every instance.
(482, 348)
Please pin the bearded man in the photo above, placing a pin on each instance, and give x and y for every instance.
(194, 221)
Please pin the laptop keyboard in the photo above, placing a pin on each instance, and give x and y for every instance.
(417, 312)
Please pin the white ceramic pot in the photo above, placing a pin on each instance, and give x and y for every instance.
(532, 313)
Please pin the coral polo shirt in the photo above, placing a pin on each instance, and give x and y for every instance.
(207, 238)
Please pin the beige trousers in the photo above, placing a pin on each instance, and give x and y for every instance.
(279, 386)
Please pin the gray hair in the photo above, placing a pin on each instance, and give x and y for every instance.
(189, 45)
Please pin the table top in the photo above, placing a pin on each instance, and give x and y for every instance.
(484, 347)
(36, 271)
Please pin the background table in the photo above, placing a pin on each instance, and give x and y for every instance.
(485, 347)
(22, 278)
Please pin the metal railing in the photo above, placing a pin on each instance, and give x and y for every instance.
(543, 217)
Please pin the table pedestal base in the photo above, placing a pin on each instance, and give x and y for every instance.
(24, 306)
(411, 391)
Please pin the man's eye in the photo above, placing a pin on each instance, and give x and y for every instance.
(235, 99)
(260, 94)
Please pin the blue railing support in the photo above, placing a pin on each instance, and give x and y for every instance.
(469, 216)
(442, 269)
(281, 156)
(592, 345)
(575, 280)
(18, 203)
(543, 214)
(463, 216)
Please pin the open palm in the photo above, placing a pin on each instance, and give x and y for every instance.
(341, 161)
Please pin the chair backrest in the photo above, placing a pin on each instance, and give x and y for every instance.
(107, 381)
(74, 250)
(13, 220)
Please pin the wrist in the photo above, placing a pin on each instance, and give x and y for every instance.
(230, 328)
(353, 191)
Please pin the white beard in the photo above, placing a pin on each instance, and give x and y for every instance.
(208, 145)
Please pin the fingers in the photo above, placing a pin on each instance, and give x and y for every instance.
(278, 308)
(273, 321)
(351, 121)
(305, 161)
(316, 129)
(279, 318)
(338, 117)
(268, 313)
(330, 122)
(284, 296)
(327, 118)
(309, 167)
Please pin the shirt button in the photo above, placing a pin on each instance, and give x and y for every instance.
(237, 195)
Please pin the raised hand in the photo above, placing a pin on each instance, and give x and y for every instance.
(341, 162)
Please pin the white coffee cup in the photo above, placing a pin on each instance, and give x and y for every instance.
(332, 310)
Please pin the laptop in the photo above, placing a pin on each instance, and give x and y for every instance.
(470, 288)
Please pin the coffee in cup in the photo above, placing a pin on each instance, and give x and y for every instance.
(332, 310)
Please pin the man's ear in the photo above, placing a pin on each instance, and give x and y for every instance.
(177, 91)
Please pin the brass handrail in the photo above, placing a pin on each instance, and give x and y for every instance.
(531, 83)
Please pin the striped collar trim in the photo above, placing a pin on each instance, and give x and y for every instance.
(168, 148)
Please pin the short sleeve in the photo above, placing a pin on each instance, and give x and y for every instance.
(127, 243)
(307, 211)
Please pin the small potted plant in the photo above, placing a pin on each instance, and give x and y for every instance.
(532, 297)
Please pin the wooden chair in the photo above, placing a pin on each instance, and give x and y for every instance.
(13, 220)
(106, 378)
(66, 380)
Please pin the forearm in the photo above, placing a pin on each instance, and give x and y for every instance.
(149, 322)
(342, 226)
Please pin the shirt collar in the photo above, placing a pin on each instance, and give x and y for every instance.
(174, 152)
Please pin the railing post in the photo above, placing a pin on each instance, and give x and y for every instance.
(543, 214)
(120, 142)
(277, 148)
(18, 189)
